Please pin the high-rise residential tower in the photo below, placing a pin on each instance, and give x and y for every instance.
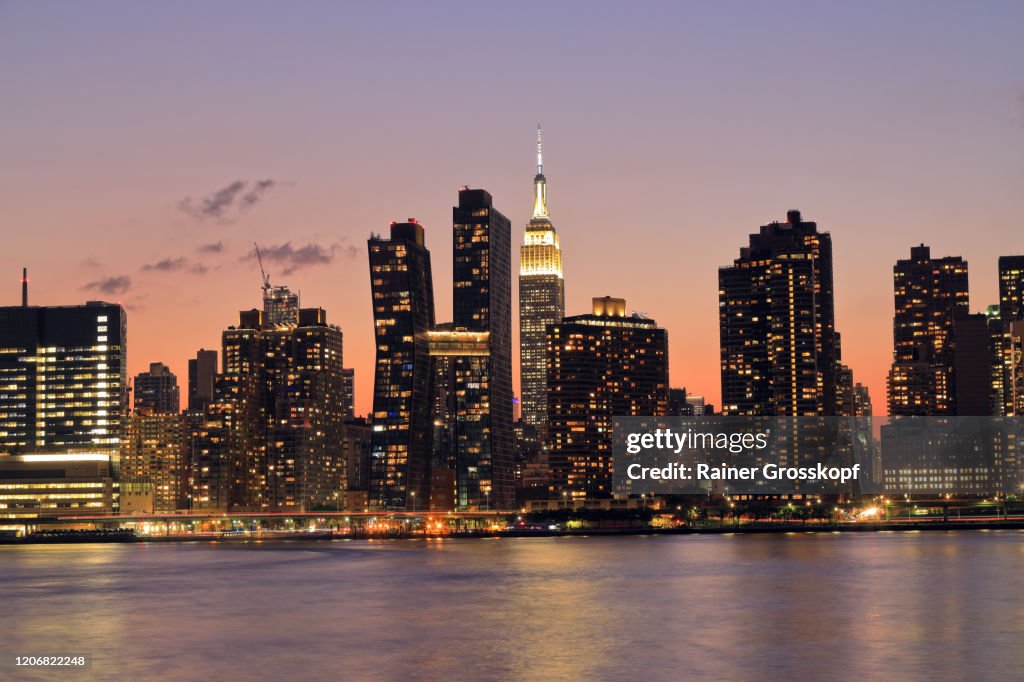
(156, 391)
(600, 365)
(930, 294)
(272, 436)
(403, 314)
(63, 377)
(780, 351)
(202, 372)
(484, 438)
(541, 299)
(1011, 315)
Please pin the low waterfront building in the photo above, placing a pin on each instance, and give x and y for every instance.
(49, 485)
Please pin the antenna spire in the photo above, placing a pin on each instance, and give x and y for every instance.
(540, 156)
(24, 287)
(540, 183)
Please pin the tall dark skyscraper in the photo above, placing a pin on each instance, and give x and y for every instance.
(600, 366)
(403, 314)
(541, 300)
(780, 352)
(156, 391)
(272, 437)
(349, 397)
(974, 351)
(1011, 315)
(930, 294)
(484, 439)
(63, 378)
(202, 372)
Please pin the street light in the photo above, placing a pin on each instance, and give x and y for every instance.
(413, 494)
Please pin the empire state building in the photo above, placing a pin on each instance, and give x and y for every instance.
(541, 299)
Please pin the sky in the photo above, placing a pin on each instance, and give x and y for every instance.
(145, 147)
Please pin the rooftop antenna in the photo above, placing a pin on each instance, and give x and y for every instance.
(263, 273)
(24, 287)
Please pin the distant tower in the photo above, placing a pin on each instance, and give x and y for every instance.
(24, 287)
(202, 373)
(930, 294)
(541, 299)
(156, 391)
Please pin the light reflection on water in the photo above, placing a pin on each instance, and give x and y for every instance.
(806, 606)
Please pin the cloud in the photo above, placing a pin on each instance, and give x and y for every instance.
(111, 286)
(228, 203)
(166, 265)
(215, 247)
(253, 196)
(294, 258)
(176, 265)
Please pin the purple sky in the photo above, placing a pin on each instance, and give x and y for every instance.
(671, 131)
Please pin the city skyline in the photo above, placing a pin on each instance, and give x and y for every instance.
(159, 208)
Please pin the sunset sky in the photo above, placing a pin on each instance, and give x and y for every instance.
(144, 147)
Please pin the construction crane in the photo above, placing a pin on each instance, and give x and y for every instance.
(263, 273)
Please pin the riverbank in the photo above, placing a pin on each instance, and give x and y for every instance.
(727, 529)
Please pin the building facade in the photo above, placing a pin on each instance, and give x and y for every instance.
(601, 365)
(63, 378)
(155, 456)
(51, 484)
(403, 313)
(482, 303)
(930, 294)
(780, 352)
(1011, 314)
(156, 391)
(202, 373)
(271, 438)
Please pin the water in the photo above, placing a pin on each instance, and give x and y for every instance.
(860, 606)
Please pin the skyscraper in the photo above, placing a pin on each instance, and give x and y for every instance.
(600, 365)
(272, 437)
(484, 439)
(403, 313)
(973, 354)
(930, 294)
(202, 372)
(63, 377)
(156, 391)
(541, 299)
(1011, 313)
(780, 352)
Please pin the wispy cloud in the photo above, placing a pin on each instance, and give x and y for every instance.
(228, 203)
(180, 264)
(111, 286)
(215, 247)
(293, 258)
(166, 265)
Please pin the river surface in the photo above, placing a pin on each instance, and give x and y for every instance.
(821, 606)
